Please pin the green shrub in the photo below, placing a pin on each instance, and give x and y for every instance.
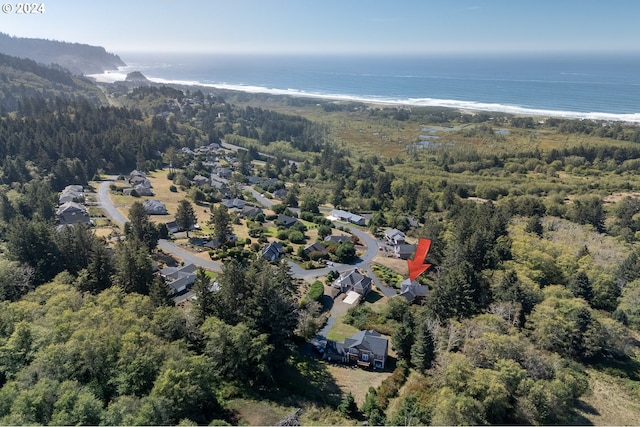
(316, 291)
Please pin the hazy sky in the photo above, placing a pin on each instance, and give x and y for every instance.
(339, 26)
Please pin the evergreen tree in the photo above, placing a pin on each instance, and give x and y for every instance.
(402, 339)
(160, 293)
(348, 406)
(423, 349)
(185, 215)
(203, 304)
(139, 227)
(220, 223)
(134, 271)
(581, 286)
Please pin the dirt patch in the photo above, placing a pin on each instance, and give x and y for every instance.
(616, 197)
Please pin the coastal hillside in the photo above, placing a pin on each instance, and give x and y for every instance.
(24, 79)
(75, 57)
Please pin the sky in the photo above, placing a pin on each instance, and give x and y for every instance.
(336, 26)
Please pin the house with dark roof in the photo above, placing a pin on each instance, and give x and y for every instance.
(366, 349)
(72, 213)
(411, 290)
(279, 194)
(272, 252)
(286, 221)
(316, 247)
(250, 211)
(353, 281)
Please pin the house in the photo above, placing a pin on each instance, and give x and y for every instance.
(412, 290)
(272, 252)
(353, 281)
(142, 189)
(404, 251)
(250, 211)
(201, 181)
(269, 182)
(365, 348)
(71, 193)
(179, 279)
(136, 174)
(280, 194)
(340, 215)
(154, 207)
(394, 236)
(234, 203)
(340, 239)
(223, 172)
(316, 247)
(286, 220)
(72, 213)
(172, 227)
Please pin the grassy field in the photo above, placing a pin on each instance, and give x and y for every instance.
(609, 402)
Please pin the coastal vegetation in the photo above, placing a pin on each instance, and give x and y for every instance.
(534, 289)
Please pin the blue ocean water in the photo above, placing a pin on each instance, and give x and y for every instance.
(584, 86)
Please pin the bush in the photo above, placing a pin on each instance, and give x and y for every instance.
(173, 188)
(296, 236)
(391, 385)
(316, 291)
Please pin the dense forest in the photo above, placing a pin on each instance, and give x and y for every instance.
(534, 288)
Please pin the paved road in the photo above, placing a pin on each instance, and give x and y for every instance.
(364, 263)
(165, 245)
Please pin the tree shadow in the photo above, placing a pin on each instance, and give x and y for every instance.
(303, 379)
(327, 302)
(373, 296)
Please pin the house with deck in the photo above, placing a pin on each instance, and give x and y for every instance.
(367, 349)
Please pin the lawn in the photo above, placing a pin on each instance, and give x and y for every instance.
(257, 413)
(355, 380)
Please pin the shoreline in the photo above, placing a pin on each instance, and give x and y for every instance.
(468, 106)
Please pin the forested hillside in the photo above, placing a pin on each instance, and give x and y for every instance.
(75, 57)
(22, 80)
(533, 294)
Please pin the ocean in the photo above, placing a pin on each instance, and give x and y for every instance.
(604, 86)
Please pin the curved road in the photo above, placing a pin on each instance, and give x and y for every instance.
(364, 263)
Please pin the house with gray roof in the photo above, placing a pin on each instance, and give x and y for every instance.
(394, 236)
(72, 213)
(179, 278)
(272, 252)
(404, 251)
(71, 193)
(353, 281)
(411, 290)
(338, 239)
(201, 181)
(366, 349)
(347, 217)
(154, 207)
